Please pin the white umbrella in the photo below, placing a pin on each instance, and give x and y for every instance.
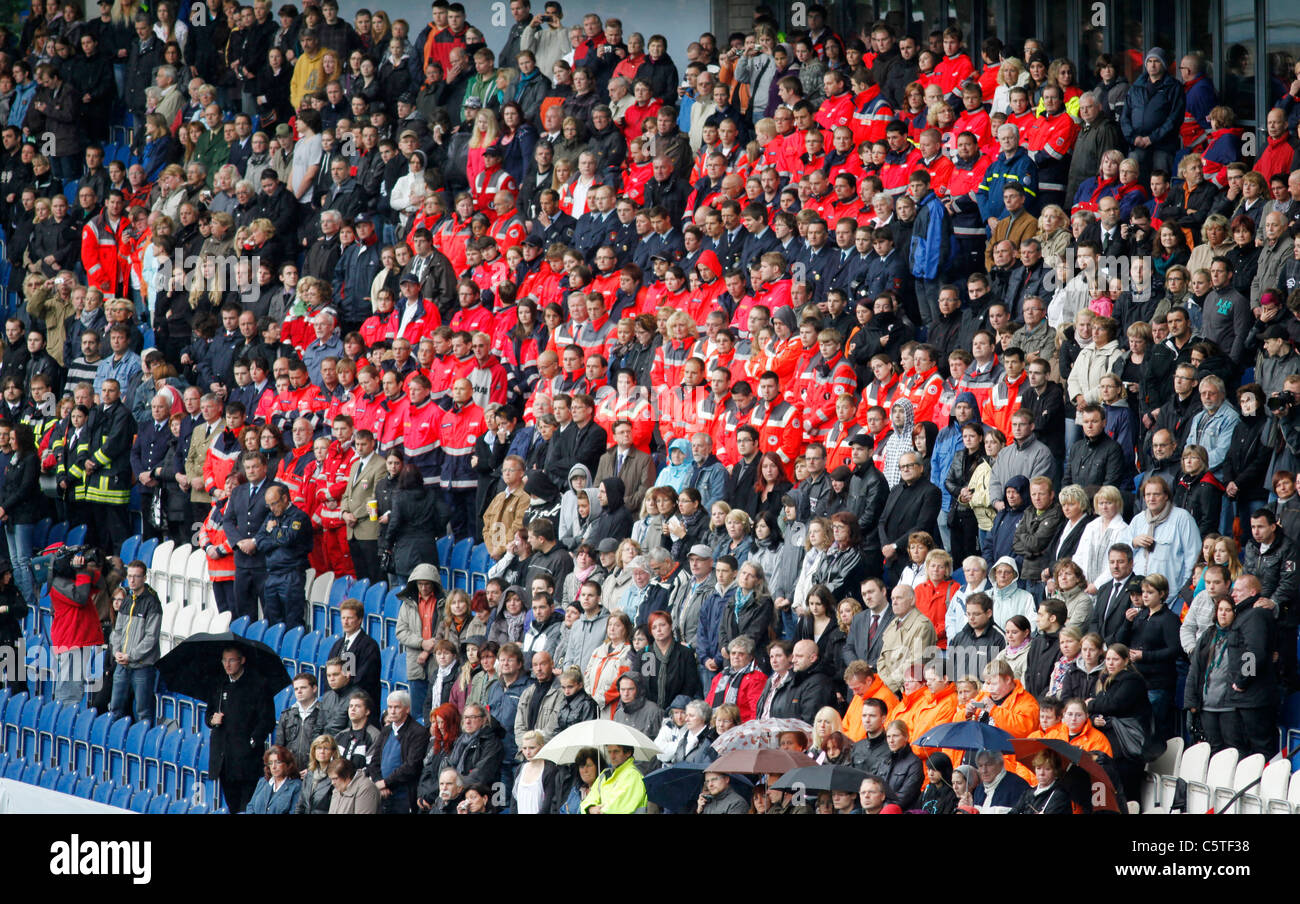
(598, 733)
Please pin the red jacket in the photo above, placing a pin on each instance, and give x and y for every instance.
(751, 688)
(76, 621)
(780, 430)
(100, 254)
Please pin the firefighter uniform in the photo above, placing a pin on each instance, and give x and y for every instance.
(108, 486)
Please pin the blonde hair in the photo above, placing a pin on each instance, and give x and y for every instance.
(325, 740)
(942, 557)
(837, 723)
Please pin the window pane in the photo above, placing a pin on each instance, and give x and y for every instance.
(1239, 57)
(1022, 22)
(1201, 33)
(1132, 43)
(1283, 47)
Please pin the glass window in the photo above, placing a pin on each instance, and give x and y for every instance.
(1283, 47)
(1022, 22)
(867, 12)
(1239, 32)
(1201, 33)
(1132, 38)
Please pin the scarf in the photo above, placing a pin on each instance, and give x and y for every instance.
(514, 625)
(730, 681)
(1154, 519)
(1058, 675)
(435, 686)
(741, 599)
(899, 441)
(1218, 649)
(540, 691)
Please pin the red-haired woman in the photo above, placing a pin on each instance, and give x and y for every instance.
(278, 789)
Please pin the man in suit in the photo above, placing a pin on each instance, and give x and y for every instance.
(245, 513)
(629, 464)
(359, 652)
(241, 713)
(395, 765)
(202, 436)
(868, 627)
(1112, 605)
(358, 497)
(152, 449)
(582, 443)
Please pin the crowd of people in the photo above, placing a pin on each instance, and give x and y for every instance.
(876, 380)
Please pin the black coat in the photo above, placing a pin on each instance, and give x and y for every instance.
(366, 664)
(908, 509)
(414, 740)
(809, 692)
(478, 757)
(248, 715)
(903, 776)
(1112, 626)
(1099, 461)
(412, 529)
(678, 674)
(581, 707)
(1157, 637)
(755, 622)
(1044, 650)
(20, 495)
(1247, 460)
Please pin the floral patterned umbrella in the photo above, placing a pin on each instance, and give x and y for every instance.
(758, 734)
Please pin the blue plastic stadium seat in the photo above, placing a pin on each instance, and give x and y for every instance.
(460, 563)
(118, 757)
(103, 793)
(140, 801)
(256, 631)
(479, 563)
(282, 700)
(240, 625)
(121, 797)
(28, 728)
(339, 590)
(130, 547)
(14, 770)
(85, 787)
(392, 606)
(374, 606)
(51, 778)
(95, 744)
(76, 536)
(33, 773)
(288, 648)
(323, 652)
(73, 719)
(67, 783)
(176, 807)
(114, 743)
(58, 534)
(158, 806)
(959, 576)
(307, 651)
(444, 561)
(273, 635)
(42, 531)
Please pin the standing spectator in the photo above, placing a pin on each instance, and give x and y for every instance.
(1153, 114)
(394, 767)
(241, 715)
(302, 722)
(359, 652)
(135, 646)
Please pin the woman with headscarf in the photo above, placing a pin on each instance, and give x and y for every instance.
(938, 798)
(614, 521)
(678, 473)
(898, 442)
(508, 621)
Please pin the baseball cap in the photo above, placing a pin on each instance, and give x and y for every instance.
(701, 551)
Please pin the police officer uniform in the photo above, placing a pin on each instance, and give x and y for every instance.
(286, 542)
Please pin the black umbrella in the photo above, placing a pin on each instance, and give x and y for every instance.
(821, 778)
(193, 667)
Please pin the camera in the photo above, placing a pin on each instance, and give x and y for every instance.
(1281, 401)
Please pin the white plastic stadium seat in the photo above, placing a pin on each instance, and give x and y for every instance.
(158, 569)
(184, 625)
(1191, 768)
(176, 572)
(1200, 794)
(1248, 770)
(1165, 764)
(220, 622)
(193, 577)
(1272, 786)
(169, 612)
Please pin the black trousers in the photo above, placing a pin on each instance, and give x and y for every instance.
(365, 559)
(249, 585)
(112, 525)
(1252, 730)
(237, 794)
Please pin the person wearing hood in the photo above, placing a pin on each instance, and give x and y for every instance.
(417, 622)
(507, 622)
(680, 466)
(544, 497)
(570, 526)
(898, 441)
(945, 446)
(1008, 599)
(614, 521)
